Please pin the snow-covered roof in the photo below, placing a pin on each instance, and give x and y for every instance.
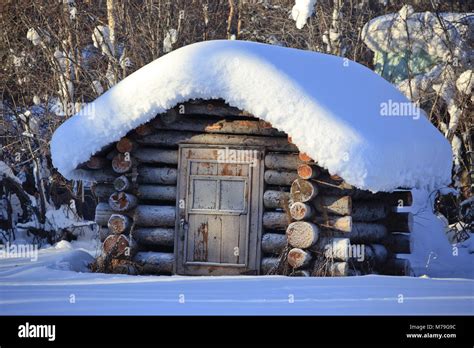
(331, 107)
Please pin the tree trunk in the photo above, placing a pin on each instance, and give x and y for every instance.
(280, 178)
(338, 205)
(151, 262)
(303, 190)
(275, 199)
(302, 234)
(298, 258)
(154, 236)
(273, 243)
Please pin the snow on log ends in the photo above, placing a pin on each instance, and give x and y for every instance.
(337, 111)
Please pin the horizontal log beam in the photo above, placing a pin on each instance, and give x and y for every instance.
(369, 211)
(213, 108)
(273, 199)
(146, 192)
(144, 215)
(268, 265)
(154, 156)
(218, 125)
(173, 138)
(275, 220)
(157, 175)
(282, 161)
(153, 237)
(280, 178)
(398, 243)
(150, 262)
(273, 243)
(367, 233)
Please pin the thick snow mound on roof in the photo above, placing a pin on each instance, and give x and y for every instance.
(331, 107)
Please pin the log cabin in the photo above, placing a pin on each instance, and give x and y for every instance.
(204, 187)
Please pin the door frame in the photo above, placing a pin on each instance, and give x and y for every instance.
(255, 224)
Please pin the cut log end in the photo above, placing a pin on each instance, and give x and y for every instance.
(122, 201)
(119, 223)
(122, 163)
(125, 145)
(301, 211)
(306, 171)
(117, 246)
(298, 258)
(303, 190)
(302, 234)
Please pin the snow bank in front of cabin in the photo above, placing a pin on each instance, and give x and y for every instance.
(47, 285)
(331, 107)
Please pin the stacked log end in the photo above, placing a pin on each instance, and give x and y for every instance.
(339, 230)
(136, 207)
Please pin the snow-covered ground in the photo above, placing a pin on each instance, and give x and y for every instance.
(54, 284)
(59, 282)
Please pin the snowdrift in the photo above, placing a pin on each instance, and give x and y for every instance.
(334, 109)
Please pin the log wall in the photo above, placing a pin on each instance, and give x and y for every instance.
(313, 224)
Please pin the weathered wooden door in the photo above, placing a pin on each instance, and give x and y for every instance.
(219, 211)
